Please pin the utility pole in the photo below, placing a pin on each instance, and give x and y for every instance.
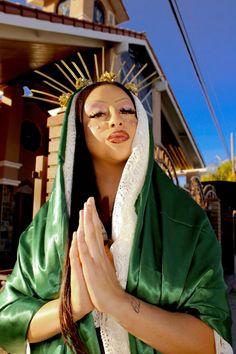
(232, 152)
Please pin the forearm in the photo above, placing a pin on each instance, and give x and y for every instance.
(45, 323)
(168, 332)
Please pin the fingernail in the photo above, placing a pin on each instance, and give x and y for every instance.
(90, 200)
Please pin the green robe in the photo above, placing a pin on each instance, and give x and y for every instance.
(174, 264)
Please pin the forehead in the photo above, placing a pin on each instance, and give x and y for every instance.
(108, 94)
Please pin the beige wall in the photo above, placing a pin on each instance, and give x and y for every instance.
(81, 9)
(88, 9)
(49, 5)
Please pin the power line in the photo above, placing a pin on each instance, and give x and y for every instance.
(187, 42)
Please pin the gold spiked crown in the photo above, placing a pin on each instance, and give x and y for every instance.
(78, 79)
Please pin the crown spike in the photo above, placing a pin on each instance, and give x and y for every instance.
(147, 78)
(103, 60)
(78, 69)
(85, 66)
(149, 83)
(50, 78)
(41, 99)
(78, 76)
(96, 66)
(128, 74)
(121, 67)
(56, 88)
(138, 73)
(69, 69)
(113, 62)
(65, 74)
(44, 93)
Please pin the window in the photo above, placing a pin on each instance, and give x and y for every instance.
(30, 136)
(98, 13)
(63, 8)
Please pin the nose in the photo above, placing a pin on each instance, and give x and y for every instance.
(115, 118)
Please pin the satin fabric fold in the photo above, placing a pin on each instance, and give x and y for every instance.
(175, 261)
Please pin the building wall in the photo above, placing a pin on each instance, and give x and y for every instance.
(83, 9)
(33, 114)
(16, 166)
(10, 117)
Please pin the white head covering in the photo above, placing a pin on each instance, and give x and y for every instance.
(114, 337)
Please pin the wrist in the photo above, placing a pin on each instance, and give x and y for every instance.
(78, 315)
(119, 302)
(127, 308)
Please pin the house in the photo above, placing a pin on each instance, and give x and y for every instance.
(33, 38)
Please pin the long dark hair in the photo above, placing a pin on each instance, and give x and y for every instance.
(84, 185)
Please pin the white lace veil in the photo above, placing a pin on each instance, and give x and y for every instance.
(114, 337)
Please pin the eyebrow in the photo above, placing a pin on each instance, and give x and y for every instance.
(124, 98)
(101, 101)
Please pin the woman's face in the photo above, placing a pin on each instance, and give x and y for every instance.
(109, 121)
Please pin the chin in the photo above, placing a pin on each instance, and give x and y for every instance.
(120, 160)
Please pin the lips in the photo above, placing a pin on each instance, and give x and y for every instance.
(118, 137)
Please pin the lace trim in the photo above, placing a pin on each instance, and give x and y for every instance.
(114, 337)
(124, 216)
(222, 347)
(69, 153)
(28, 350)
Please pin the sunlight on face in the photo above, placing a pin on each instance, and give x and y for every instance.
(110, 122)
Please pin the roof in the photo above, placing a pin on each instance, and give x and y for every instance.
(120, 11)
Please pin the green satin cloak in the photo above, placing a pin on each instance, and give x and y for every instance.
(174, 264)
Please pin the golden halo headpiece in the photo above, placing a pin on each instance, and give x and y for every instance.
(77, 79)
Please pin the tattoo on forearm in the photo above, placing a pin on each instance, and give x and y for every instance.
(135, 303)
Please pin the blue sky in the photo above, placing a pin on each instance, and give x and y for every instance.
(211, 26)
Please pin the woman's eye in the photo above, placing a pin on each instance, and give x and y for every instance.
(97, 115)
(127, 111)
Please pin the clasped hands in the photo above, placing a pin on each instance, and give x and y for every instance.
(94, 284)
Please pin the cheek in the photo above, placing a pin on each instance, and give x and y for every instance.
(132, 121)
(91, 135)
(133, 124)
(94, 132)
(94, 129)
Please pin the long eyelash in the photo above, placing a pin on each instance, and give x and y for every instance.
(96, 115)
(128, 110)
(122, 110)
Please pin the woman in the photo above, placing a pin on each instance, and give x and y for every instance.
(158, 288)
